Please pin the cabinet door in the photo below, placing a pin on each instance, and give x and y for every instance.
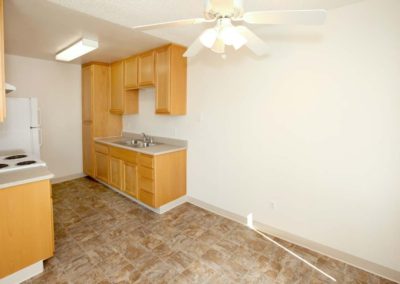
(131, 73)
(130, 179)
(88, 148)
(26, 227)
(116, 173)
(101, 166)
(117, 87)
(2, 76)
(163, 80)
(146, 68)
(87, 94)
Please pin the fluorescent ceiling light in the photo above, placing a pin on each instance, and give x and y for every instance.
(77, 49)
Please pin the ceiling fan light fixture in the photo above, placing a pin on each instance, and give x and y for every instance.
(208, 37)
(219, 46)
(239, 42)
(226, 12)
(231, 36)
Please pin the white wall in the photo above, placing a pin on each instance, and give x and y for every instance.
(313, 127)
(58, 89)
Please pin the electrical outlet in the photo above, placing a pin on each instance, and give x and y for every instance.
(272, 204)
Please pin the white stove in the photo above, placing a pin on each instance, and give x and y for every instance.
(19, 162)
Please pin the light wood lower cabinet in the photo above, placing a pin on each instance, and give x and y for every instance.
(154, 180)
(116, 173)
(131, 179)
(26, 226)
(88, 150)
(101, 166)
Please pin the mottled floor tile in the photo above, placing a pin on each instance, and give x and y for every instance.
(215, 259)
(197, 272)
(179, 260)
(102, 237)
(294, 271)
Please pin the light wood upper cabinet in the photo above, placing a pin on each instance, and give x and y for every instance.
(171, 80)
(164, 68)
(131, 73)
(2, 71)
(122, 101)
(163, 79)
(117, 87)
(146, 69)
(87, 99)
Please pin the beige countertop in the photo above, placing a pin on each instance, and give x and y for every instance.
(18, 177)
(162, 148)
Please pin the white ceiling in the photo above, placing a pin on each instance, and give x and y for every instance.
(40, 28)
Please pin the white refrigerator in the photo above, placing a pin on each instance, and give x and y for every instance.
(21, 128)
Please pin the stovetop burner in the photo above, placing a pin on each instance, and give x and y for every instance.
(24, 163)
(19, 161)
(16, 157)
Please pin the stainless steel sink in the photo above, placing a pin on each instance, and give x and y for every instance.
(136, 143)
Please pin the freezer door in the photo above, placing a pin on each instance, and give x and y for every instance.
(18, 115)
(16, 132)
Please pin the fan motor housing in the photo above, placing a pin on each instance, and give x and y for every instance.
(216, 9)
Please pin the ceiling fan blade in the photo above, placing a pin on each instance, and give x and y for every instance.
(171, 24)
(254, 43)
(286, 17)
(194, 48)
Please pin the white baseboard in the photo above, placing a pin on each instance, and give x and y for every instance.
(67, 178)
(23, 274)
(355, 261)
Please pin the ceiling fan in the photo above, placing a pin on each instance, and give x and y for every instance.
(228, 12)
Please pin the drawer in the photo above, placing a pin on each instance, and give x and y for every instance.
(146, 161)
(146, 197)
(146, 184)
(101, 148)
(146, 172)
(122, 154)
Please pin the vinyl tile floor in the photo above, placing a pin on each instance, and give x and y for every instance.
(103, 237)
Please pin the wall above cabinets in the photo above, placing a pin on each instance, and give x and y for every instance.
(162, 68)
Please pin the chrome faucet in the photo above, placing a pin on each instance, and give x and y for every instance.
(147, 138)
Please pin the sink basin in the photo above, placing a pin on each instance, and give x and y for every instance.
(136, 143)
